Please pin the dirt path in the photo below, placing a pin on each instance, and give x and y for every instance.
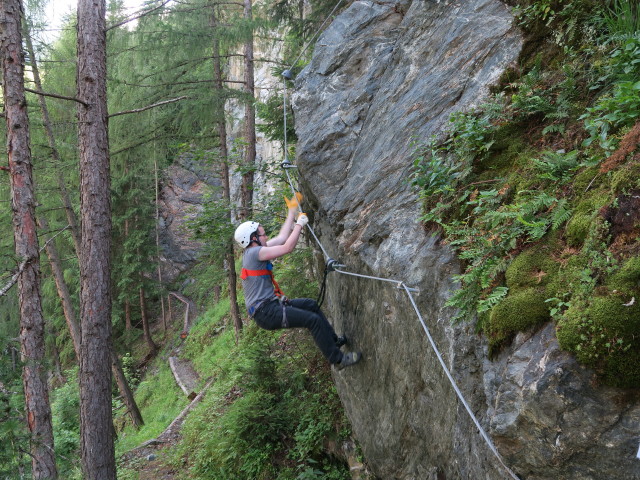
(148, 459)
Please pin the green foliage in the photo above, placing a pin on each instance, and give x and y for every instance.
(432, 174)
(525, 217)
(212, 226)
(620, 106)
(622, 18)
(487, 236)
(557, 166)
(567, 23)
(269, 411)
(13, 431)
(65, 413)
(272, 118)
(159, 399)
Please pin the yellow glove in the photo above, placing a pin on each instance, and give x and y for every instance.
(293, 202)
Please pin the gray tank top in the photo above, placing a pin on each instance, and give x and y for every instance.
(256, 288)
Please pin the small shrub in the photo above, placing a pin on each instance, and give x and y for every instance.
(65, 414)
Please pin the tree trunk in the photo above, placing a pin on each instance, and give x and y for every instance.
(224, 174)
(38, 410)
(125, 391)
(157, 200)
(250, 122)
(96, 425)
(145, 324)
(63, 289)
(74, 330)
(64, 194)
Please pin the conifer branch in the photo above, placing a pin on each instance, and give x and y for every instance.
(148, 107)
(137, 15)
(54, 95)
(14, 278)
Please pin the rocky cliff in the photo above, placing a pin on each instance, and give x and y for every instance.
(383, 74)
(181, 197)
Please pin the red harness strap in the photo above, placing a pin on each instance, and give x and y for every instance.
(244, 273)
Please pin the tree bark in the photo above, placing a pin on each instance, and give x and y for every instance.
(224, 174)
(38, 410)
(250, 122)
(96, 425)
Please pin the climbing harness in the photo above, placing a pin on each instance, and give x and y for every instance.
(279, 296)
(244, 273)
(267, 272)
(332, 265)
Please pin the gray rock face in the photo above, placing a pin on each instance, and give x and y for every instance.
(384, 74)
(181, 198)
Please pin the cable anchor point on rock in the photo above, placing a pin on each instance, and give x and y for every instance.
(288, 74)
(332, 264)
(287, 164)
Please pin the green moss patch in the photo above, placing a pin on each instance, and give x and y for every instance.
(603, 334)
(534, 267)
(626, 178)
(627, 279)
(577, 229)
(518, 312)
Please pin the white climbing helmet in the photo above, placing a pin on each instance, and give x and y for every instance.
(244, 232)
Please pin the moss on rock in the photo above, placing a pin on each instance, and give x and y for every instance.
(519, 311)
(534, 267)
(593, 202)
(577, 229)
(588, 178)
(603, 334)
(627, 279)
(625, 178)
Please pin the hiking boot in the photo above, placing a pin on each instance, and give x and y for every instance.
(341, 340)
(348, 359)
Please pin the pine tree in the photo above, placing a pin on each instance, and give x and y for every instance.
(96, 426)
(32, 332)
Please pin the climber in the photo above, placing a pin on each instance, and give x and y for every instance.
(265, 302)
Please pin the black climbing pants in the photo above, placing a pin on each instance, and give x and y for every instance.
(301, 313)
